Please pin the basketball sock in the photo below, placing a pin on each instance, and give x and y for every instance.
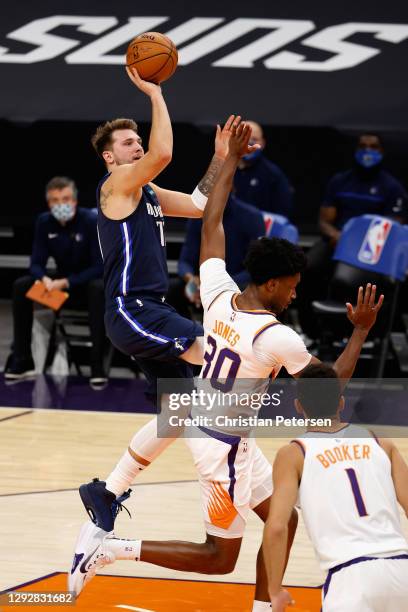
(262, 606)
(123, 474)
(124, 549)
(147, 446)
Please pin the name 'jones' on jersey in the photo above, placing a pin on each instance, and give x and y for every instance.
(134, 249)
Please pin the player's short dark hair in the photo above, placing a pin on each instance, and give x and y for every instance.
(60, 182)
(102, 139)
(273, 257)
(319, 390)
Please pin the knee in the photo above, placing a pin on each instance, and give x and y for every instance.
(222, 565)
(220, 561)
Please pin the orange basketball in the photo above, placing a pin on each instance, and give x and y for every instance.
(153, 55)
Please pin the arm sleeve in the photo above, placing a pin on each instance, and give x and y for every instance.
(95, 268)
(214, 279)
(39, 256)
(190, 252)
(282, 345)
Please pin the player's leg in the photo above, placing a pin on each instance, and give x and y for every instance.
(216, 555)
(195, 353)
(224, 525)
(156, 336)
(96, 549)
(20, 363)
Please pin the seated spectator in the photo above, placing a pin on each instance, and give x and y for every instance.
(366, 188)
(260, 182)
(68, 234)
(242, 223)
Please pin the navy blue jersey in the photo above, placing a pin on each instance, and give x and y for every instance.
(133, 249)
(264, 185)
(74, 247)
(354, 194)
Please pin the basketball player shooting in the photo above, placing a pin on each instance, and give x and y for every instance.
(138, 320)
(236, 465)
(347, 484)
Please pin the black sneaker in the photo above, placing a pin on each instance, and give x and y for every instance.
(17, 369)
(98, 379)
(100, 504)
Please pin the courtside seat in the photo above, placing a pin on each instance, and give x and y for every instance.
(278, 226)
(371, 249)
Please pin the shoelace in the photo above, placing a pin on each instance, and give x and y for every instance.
(117, 504)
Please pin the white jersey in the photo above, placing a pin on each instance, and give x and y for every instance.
(347, 497)
(243, 343)
(249, 345)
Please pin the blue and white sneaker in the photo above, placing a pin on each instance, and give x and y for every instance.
(102, 505)
(90, 555)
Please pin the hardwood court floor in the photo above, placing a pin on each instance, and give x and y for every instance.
(106, 593)
(46, 454)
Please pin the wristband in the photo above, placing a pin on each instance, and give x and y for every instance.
(199, 199)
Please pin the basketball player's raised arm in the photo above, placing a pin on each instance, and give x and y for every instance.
(128, 178)
(362, 317)
(212, 233)
(287, 471)
(178, 204)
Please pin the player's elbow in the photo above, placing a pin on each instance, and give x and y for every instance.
(165, 155)
(161, 158)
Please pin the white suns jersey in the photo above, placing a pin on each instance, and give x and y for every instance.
(243, 343)
(347, 497)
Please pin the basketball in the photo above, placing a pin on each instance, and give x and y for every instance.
(153, 55)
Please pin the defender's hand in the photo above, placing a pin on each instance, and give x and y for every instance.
(148, 88)
(364, 315)
(223, 135)
(281, 601)
(239, 140)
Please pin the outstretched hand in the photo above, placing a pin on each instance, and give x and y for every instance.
(239, 140)
(364, 315)
(148, 88)
(223, 135)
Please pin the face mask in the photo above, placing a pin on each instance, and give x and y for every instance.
(368, 157)
(252, 156)
(63, 212)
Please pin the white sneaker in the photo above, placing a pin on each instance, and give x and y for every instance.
(90, 555)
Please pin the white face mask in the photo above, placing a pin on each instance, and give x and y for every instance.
(63, 212)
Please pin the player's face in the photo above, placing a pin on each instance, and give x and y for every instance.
(284, 292)
(126, 147)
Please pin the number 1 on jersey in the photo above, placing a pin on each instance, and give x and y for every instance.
(358, 498)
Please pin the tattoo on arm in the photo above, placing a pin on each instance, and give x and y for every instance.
(104, 196)
(208, 180)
